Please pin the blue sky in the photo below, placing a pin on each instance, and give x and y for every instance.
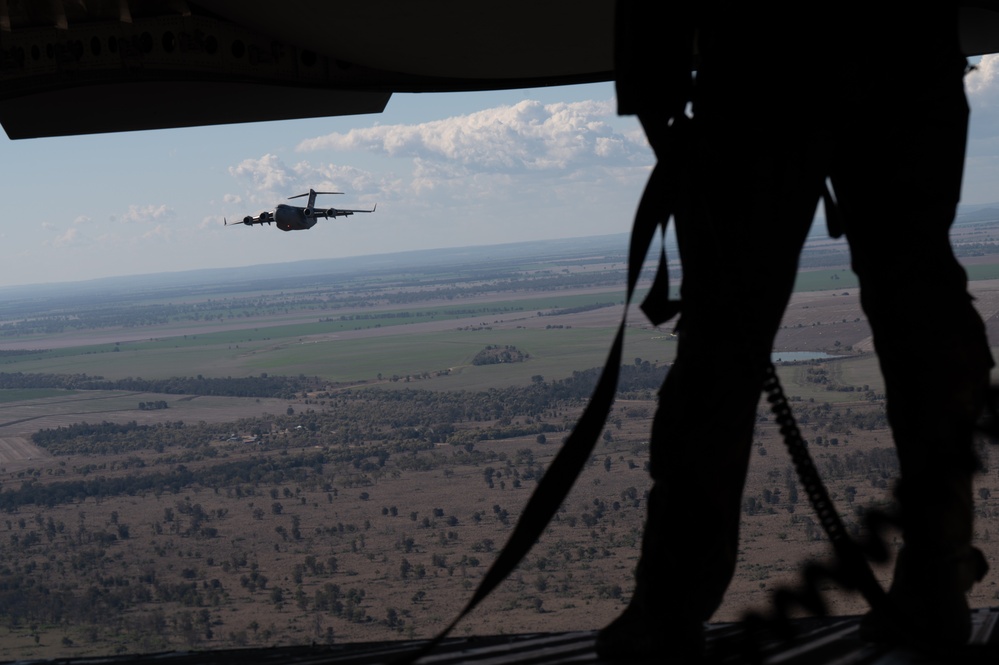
(446, 170)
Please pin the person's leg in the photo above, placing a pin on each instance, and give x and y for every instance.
(754, 198)
(898, 192)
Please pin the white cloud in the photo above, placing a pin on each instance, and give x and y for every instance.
(981, 171)
(270, 180)
(521, 171)
(147, 214)
(982, 87)
(495, 159)
(68, 237)
(332, 177)
(266, 177)
(527, 136)
(153, 222)
(159, 231)
(980, 83)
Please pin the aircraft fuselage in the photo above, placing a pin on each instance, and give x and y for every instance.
(292, 218)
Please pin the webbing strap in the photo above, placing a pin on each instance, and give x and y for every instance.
(654, 210)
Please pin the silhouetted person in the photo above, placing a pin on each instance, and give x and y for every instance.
(870, 96)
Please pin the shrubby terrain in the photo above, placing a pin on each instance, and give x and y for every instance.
(320, 456)
(318, 524)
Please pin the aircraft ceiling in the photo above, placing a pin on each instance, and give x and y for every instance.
(91, 66)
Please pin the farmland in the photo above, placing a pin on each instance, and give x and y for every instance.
(404, 410)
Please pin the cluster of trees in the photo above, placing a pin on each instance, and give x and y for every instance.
(283, 387)
(448, 312)
(52, 437)
(360, 438)
(288, 479)
(495, 354)
(579, 309)
(356, 417)
(7, 353)
(249, 472)
(188, 592)
(842, 421)
(127, 317)
(362, 431)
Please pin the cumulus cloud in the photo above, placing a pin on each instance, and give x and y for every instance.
(71, 236)
(982, 86)
(268, 179)
(147, 214)
(980, 83)
(267, 173)
(160, 231)
(334, 177)
(67, 235)
(570, 164)
(497, 157)
(982, 166)
(528, 136)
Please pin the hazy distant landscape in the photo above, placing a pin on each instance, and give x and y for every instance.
(334, 451)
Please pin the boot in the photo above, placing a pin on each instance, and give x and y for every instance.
(640, 634)
(927, 605)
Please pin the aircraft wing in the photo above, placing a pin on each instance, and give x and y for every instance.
(338, 212)
(137, 64)
(262, 218)
(142, 61)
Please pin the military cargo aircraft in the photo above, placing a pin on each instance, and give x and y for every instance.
(298, 218)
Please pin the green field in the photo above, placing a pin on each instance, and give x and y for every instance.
(553, 353)
(825, 280)
(32, 393)
(858, 371)
(350, 328)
